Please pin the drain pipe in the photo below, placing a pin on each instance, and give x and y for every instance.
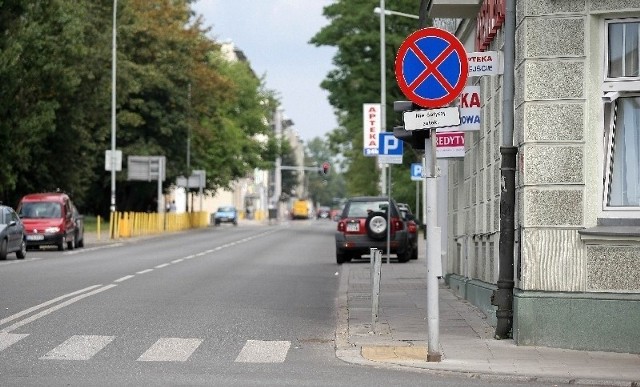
(503, 296)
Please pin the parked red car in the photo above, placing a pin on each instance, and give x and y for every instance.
(49, 219)
(363, 225)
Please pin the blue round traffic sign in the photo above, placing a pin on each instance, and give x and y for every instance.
(431, 67)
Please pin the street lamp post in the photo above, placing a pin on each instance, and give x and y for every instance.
(383, 92)
(383, 79)
(113, 111)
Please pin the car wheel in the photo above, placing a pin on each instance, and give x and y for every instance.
(22, 253)
(80, 242)
(340, 258)
(376, 225)
(404, 257)
(62, 246)
(414, 253)
(3, 250)
(72, 243)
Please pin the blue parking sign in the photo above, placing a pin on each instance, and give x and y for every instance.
(389, 149)
(416, 171)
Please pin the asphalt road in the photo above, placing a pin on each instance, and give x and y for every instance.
(246, 305)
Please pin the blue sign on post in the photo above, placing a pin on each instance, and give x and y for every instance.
(390, 149)
(431, 67)
(416, 172)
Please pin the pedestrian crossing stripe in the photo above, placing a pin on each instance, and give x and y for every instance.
(255, 351)
(78, 348)
(85, 347)
(171, 349)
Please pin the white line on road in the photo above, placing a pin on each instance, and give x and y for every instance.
(144, 271)
(78, 348)
(177, 260)
(255, 351)
(163, 265)
(126, 277)
(27, 311)
(171, 349)
(54, 308)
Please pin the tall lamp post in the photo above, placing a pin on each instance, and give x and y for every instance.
(113, 111)
(383, 77)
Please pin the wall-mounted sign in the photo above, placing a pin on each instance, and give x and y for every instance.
(449, 144)
(470, 109)
(484, 63)
(489, 21)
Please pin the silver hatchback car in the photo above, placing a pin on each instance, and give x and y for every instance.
(12, 234)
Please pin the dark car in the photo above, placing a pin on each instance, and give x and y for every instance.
(323, 213)
(226, 214)
(412, 227)
(12, 234)
(363, 225)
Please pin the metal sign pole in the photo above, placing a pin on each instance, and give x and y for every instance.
(433, 251)
(389, 214)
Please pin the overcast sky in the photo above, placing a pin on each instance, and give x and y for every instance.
(274, 36)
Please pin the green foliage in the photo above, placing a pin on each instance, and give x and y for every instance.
(172, 86)
(324, 188)
(355, 31)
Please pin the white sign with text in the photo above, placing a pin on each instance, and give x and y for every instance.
(371, 118)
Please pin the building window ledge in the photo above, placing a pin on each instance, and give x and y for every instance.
(611, 235)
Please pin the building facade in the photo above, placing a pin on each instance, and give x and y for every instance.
(577, 134)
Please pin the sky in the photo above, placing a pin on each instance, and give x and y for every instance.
(274, 36)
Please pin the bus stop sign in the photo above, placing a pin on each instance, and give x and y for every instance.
(431, 67)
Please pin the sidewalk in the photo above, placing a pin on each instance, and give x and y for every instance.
(466, 339)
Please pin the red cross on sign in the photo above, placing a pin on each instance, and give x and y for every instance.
(431, 67)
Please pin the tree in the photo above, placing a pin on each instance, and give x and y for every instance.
(324, 188)
(355, 31)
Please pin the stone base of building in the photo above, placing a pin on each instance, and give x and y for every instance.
(581, 321)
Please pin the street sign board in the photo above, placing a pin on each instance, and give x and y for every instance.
(146, 168)
(390, 150)
(470, 110)
(484, 63)
(431, 118)
(431, 67)
(416, 171)
(449, 145)
(371, 118)
(109, 162)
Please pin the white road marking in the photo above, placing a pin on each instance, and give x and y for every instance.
(27, 311)
(78, 348)
(171, 349)
(163, 265)
(144, 271)
(126, 277)
(255, 351)
(177, 260)
(54, 308)
(8, 339)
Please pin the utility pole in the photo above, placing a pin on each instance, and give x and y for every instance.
(277, 188)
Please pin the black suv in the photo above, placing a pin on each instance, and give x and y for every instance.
(363, 225)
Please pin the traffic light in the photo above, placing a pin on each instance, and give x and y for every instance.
(415, 138)
(325, 168)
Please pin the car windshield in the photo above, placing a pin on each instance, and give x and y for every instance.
(226, 209)
(362, 209)
(40, 210)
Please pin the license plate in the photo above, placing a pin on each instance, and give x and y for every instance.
(353, 227)
(35, 237)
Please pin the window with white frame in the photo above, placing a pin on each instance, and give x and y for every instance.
(622, 115)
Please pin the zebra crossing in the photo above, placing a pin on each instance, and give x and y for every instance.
(166, 349)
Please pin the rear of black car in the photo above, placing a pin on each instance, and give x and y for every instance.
(363, 225)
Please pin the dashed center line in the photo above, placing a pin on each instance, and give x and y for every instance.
(126, 277)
